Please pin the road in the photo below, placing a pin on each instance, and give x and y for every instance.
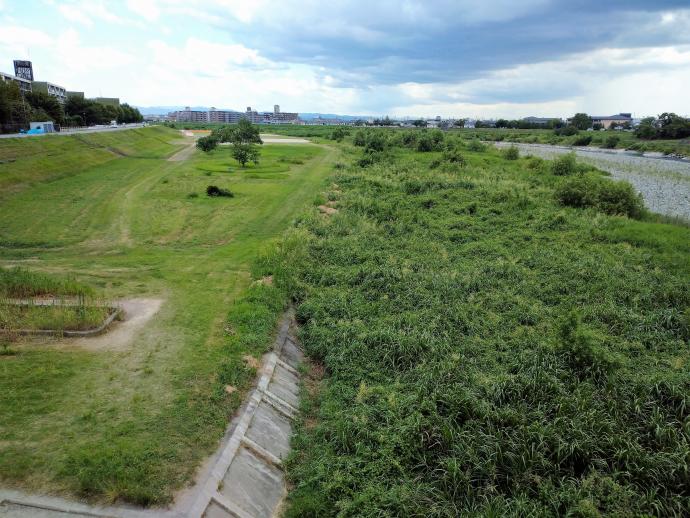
(67, 131)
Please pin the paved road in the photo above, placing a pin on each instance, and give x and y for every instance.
(94, 129)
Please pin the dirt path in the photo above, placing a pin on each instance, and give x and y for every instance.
(183, 154)
(137, 312)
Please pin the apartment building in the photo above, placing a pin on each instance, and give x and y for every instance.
(24, 84)
(57, 91)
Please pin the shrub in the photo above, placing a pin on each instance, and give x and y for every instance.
(582, 140)
(453, 156)
(566, 131)
(214, 190)
(511, 153)
(610, 197)
(564, 165)
(425, 143)
(476, 146)
(360, 139)
(376, 141)
(192, 195)
(582, 350)
(207, 144)
(611, 141)
(338, 134)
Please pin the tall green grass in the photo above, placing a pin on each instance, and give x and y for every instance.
(487, 351)
(23, 283)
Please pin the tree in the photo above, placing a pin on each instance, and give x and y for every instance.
(581, 121)
(244, 153)
(460, 123)
(673, 126)
(207, 143)
(15, 112)
(647, 128)
(46, 107)
(420, 123)
(243, 138)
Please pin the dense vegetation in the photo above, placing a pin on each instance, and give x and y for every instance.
(17, 110)
(666, 126)
(487, 351)
(20, 283)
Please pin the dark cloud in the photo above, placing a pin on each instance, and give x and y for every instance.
(390, 42)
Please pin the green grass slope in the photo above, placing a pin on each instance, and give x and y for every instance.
(132, 421)
(30, 160)
(487, 352)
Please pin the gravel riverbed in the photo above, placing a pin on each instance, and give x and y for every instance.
(664, 183)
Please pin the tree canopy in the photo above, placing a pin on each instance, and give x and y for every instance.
(243, 138)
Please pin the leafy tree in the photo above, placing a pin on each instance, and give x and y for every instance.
(243, 138)
(647, 129)
(673, 126)
(207, 143)
(245, 152)
(46, 107)
(420, 123)
(460, 123)
(581, 121)
(15, 112)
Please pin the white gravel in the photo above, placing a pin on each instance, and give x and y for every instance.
(663, 182)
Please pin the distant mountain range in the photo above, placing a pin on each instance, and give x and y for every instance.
(162, 110)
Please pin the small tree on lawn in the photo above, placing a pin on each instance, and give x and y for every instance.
(243, 138)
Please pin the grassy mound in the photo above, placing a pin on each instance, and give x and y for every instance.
(487, 352)
(32, 160)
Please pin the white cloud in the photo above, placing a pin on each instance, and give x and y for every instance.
(148, 9)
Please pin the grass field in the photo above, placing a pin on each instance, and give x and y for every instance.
(486, 351)
(111, 212)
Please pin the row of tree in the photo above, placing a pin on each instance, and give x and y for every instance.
(85, 112)
(665, 126)
(17, 110)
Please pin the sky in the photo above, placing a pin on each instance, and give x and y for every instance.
(454, 58)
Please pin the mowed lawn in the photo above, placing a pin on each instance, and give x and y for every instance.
(134, 422)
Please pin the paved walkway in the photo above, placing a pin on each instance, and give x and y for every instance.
(244, 479)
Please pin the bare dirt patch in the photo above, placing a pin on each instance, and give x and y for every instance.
(269, 138)
(135, 314)
(324, 209)
(251, 361)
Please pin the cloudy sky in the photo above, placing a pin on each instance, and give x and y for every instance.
(485, 58)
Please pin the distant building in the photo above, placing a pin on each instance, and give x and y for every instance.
(24, 84)
(607, 120)
(57, 91)
(232, 117)
(189, 115)
(540, 121)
